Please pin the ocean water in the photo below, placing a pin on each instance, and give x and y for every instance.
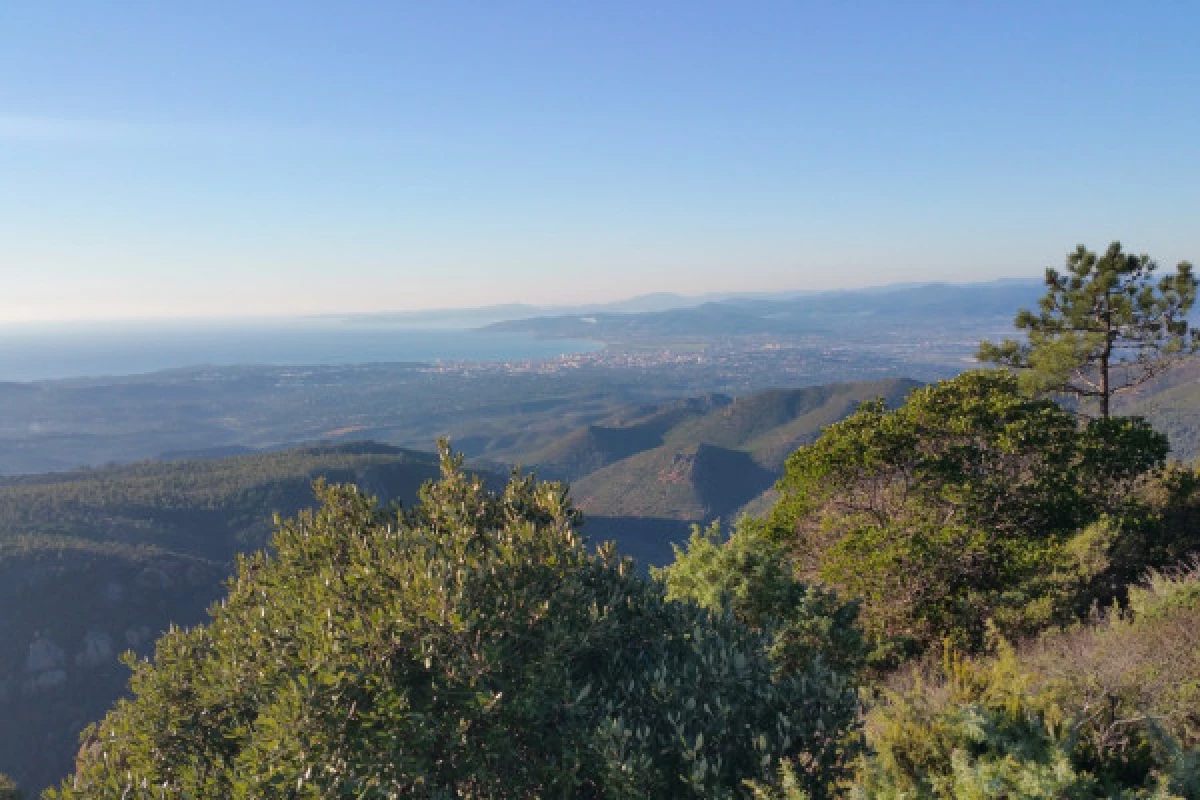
(45, 352)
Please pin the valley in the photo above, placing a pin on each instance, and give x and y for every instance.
(98, 561)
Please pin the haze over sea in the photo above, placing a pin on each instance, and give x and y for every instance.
(31, 353)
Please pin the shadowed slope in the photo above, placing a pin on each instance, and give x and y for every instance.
(623, 435)
(96, 562)
(707, 465)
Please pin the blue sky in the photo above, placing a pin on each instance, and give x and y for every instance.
(233, 158)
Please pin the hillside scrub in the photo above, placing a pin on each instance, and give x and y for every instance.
(970, 517)
(969, 503)
(469, 646)
(1108, 710)
(749, 575)
(1103, 710)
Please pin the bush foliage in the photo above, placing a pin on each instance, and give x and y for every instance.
(750, 576)
(968, 517)
(961, 506)
(1100, 711)
(471, 646)
(468, 647)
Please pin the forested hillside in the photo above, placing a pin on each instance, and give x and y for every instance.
(474, 646)
(984, 536)
(701, 459)
(1172, 404)
(96, 562)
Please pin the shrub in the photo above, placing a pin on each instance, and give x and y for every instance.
(1131, 682)
(1103, 710)
(750, 575)
(469, 647)
(960, 507)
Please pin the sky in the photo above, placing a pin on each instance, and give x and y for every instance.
(201, 159)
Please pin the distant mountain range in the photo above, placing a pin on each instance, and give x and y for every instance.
(465, 318)
(941, 304)
(513, 316)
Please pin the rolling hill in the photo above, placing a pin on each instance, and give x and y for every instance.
(1171, 403)
(908, 307)
(622, 435)
(692, 483)
(704, 460)
(95, 562)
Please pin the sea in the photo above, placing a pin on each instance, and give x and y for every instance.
(50, 352)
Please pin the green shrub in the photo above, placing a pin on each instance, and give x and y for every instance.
(971, 732)
(469, 647)
(962, 506)
(1131, 682)
(1103, 710)
(750, 574)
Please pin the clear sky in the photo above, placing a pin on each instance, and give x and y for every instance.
(232, 158)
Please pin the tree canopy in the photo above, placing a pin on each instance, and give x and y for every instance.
(962, 505)
(469, 646)
(967, 518)
(1103, 327)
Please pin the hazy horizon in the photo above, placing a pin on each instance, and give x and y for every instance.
(613, 303)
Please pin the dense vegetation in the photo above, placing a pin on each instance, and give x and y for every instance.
(1104, 327)
(968, 503)
(99, 561)
(1104, 710)
(972, 593)
(967, 519)
(468, 647)
(472, 646)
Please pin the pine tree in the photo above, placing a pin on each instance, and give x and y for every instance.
(1104, 326)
